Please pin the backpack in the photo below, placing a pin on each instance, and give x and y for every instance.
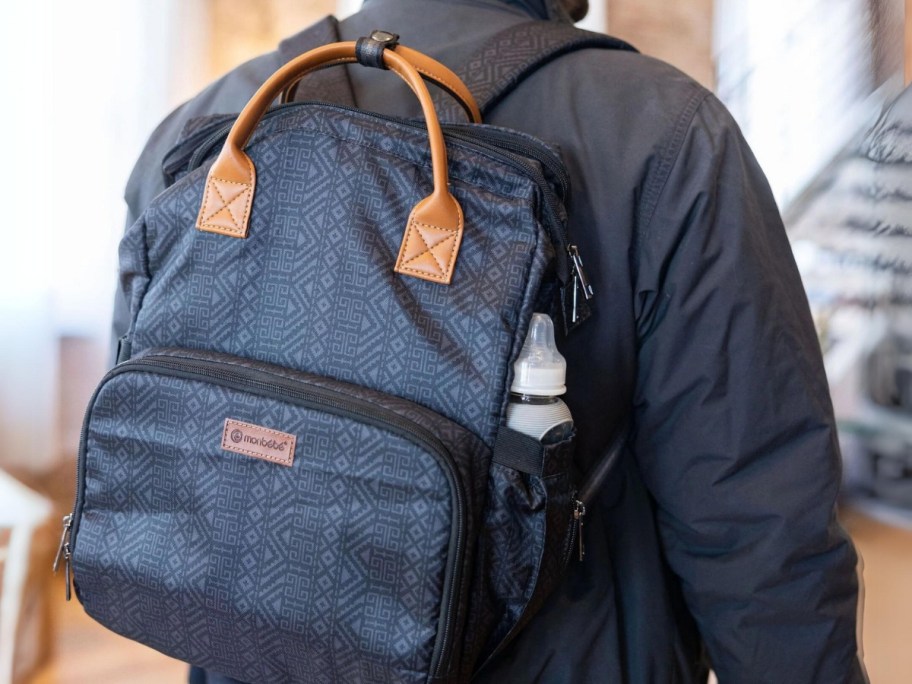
(299, 469)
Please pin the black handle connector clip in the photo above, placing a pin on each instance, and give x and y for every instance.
(369, 51)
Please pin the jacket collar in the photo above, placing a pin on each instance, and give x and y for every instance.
(540, 9)
(537, 9)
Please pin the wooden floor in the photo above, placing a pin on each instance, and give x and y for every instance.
(89, 654)
(886, 553)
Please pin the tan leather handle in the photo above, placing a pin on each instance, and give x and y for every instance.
(434, 229)
(432, 70)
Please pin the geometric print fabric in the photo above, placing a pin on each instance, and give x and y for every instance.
(264, 572)
(312, 286)
(312, 289)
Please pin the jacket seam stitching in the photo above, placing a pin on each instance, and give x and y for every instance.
(673, 152)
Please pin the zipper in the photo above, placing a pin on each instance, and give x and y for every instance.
(205, 147)
(272, 386)
(575, 538)
(202, 143)
(504, 145)
(557, 229)
(579, 512)
(516, 142)
(64, 552)
(501, 143)
(177, 156)
(580, 283)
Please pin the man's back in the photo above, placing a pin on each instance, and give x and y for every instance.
(723, 507)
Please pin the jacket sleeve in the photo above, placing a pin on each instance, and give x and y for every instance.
(735, 435)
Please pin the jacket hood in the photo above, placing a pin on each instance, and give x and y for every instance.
(553, 10)
(560, 10)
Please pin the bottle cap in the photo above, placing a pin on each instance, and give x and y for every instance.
(540, 369)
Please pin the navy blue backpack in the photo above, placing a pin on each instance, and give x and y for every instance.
(299, 470)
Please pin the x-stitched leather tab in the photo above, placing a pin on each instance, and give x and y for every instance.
(428, 249)
(226, 207)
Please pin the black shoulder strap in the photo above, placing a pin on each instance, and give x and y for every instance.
(491, 74)
(607, 463)
(515, 53)
(327, 85)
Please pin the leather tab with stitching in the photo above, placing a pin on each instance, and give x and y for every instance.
(432, 239)
(226, 206)
(434, 230)
(228, 197)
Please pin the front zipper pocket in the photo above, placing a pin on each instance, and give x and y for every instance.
(273, 525)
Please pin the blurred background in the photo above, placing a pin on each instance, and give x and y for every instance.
(809, 81)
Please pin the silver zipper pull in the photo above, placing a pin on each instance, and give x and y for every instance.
(63, 551)
(579, 272)
(579, 512)
(68, 573)
(574, 311)
(64, 539)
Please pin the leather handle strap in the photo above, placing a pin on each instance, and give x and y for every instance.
(431, 69)
(433, 233)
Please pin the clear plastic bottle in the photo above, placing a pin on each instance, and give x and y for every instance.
(539, 378)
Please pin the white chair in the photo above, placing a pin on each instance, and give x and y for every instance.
(22, 512)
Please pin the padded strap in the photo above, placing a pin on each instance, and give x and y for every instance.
(331, 85)
(515, 53)
(606, 465)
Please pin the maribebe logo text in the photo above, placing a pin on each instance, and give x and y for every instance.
(258, 441)
(237, 437)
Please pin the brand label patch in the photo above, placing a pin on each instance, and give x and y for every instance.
(258, 442)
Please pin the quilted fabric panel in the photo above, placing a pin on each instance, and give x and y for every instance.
(328, 571)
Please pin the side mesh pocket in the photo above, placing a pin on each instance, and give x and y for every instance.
(525, 540)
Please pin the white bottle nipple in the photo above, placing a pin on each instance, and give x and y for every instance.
(540, 369)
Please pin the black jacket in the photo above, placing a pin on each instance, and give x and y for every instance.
(719, 527)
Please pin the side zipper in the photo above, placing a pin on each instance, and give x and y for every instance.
(579, 512)
(64, 552)
(575, 538)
